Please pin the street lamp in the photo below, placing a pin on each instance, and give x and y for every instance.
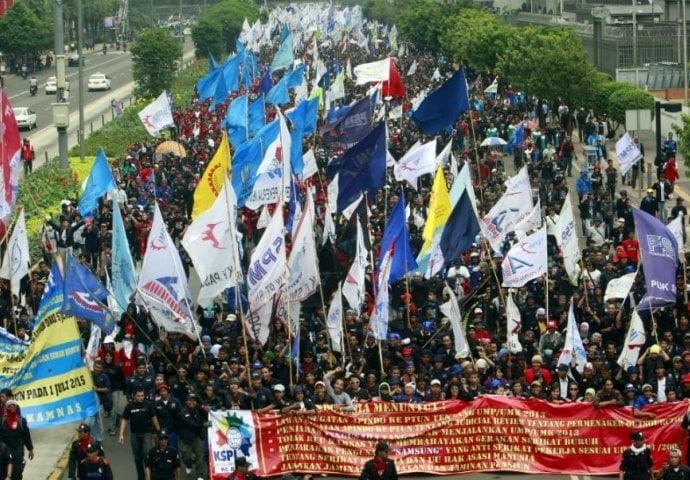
(60, 107)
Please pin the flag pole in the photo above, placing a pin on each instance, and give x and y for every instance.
(546, 295)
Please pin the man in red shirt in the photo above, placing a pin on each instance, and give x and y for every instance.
(28, 156)
(537, 372)
(631, 247)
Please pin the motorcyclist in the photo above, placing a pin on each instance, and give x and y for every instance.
(105, 48)
(25, 70)
(33, 83)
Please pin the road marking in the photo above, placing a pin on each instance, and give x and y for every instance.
(573, 477)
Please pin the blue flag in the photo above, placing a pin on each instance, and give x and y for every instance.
(231, 73)
(461, 229)
(278, 94)
(247, 159)
(296, 160)
(249, 68)
(351, 127)
(99, 183)
(236, 120)
(336, 113)
(397, 239)
(441, 108)
(295, 199)
(257, 116)
(207, 85)
(266, 83)
(123, 279)
(84, 296)
(221, 92)
(516, 139)
(285, 57)
(212, 64)
(304, 116)
(659, 249)
(362, 169)
(295, 78)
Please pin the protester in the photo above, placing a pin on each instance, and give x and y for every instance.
(78, 450)
(380, 467)
(141, 417)
(162, 461)
(95, 465)
(637, 461)
(15, 433)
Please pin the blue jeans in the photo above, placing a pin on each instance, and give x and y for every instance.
(141, 444)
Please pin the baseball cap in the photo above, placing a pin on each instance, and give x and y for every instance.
(552, 325)
(637, 436)
(93, 447)
(83, 428)
(478, 311)
(435, 381)
(279, 387)
(319, 384)
(382, 447)
(541, 311)
(163, 434)
(162, 386)
(675, 453)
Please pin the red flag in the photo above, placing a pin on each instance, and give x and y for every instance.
(10, 152)
(394, 87)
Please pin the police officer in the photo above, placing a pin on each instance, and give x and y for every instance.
(168, 409)
(191, 430)
(673, 470)
(94, 466)
(163, 462)
(637, 461)
(77, 451)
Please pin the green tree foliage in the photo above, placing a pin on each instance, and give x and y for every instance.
(218, 27)
(476, 38)
(628, 98)
(424, 21)
(22, 32)
(155, 57)
(683, 138)
(384, 11)
(550, 63)
(603, 94)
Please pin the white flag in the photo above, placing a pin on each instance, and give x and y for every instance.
(443, 157)
(573, 344)
(493, 88)
(396, 113)
(419, 160)
(379, 319)
(566, 238)
(17, 260)
(526, 260)
(436, 76)
(378, 71)
(304, 268)
(451, 309)
(619, 287)
(511, 208)
(92, 347)
(353, 288)
(211, 243)
(310, 166)
(328, 227)
(273, 175)
(514, 324)
(531, 221)
(634, 342)
(157, 115)
(162, 282)
(413, 68)
(337, 90)
(627, 152)
(676, 228)
(264, 218)
(332, 193)
(334, 321)
(258, 320)
(267, 272)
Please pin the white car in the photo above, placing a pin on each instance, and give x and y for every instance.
(51, 85)
(98, 81)
(26, 118)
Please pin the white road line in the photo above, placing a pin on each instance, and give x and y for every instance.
(574, 477)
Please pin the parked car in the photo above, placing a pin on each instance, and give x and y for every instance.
(73, 60)
(26, 118)
(98, 81)
(51, 85)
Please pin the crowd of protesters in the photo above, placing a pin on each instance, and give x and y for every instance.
(170, 381)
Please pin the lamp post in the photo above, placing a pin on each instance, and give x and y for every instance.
(80, 46)
(60, 107)
(685, 54)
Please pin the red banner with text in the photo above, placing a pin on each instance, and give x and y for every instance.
(492, 433)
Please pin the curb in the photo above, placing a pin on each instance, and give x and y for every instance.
(62, 462)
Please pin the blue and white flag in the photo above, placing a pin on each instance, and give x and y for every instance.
(526, 260)
(635, 341)
(99, 183)
(163, 284)
(334, 320)
(124, 276)
(573, 344)
(285, 57)
(85, 297)
(396, 244)
(379, 318)
(267, 273)
(15, 264)
(659, 250)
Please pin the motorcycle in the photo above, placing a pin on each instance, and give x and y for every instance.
(24, 74)
(33, 89)
(105, 49)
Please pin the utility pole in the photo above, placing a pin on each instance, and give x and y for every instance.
(61, 106)
(80, 46)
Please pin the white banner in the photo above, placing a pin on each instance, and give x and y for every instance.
(231, 434)
(514, 324)
(566, 238)
(157, 115)
(419, 160)
(334, 321)
(211, 243)
(634, 342)
(526, 260)
(267, 272)
(304, 267)
(310, 166)
(451, 309)
(627, 152)
(619, 287)
(511, 208)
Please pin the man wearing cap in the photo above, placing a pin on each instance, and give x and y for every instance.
(168, 408)
(95, 466)
(77, 451)
(551, 340)
(242, 470)
(537, 372)
(672, 469)
(647, 398)
(191, 428)
(260, 397)
(380, 467)
(649, 203)
(636, 463)
(163, 461)
(301, 405)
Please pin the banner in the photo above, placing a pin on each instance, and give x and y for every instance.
(635, 341)
(525, 260)
(566, 238)
(157, 115)
(627, 152)
(619, 287)
(49, 379)
(15, 264)
(493, 433)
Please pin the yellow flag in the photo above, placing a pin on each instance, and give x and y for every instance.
(211, 183)
(318, 92)
(439, 208)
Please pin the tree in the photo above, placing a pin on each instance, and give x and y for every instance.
(22, 32)
(550, 63)
(384, 11)
(155, 57)
(683, 136)
(219, 26)
(628, 98)
(603, 95)
(424, 22)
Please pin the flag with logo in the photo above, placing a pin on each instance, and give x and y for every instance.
(419, 160)
(511, 208)
(353, 287)
(303, 264)
(573, 344)
(396, 243)
(451, 310)
(334, 320)
(267, 273)
(85, 296)
(532, 221)
(675, 226)
(163, 284)
(379, 318)
(566, 239)
(99, 182)
(211, 243)
(635, 341)
(514, 324)
(526, 260)
(439, 208)
(17, 259)
(213, 179)
(158, 115)
(659, 259)
(627, 152)
(123, 273)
